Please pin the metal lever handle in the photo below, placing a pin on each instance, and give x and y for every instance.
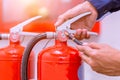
(74, 31)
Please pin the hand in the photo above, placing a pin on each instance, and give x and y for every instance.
(82, 34)
(102, 58)
(86, 22)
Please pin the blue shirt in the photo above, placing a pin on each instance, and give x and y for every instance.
(104, 6)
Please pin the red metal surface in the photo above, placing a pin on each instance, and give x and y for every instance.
(96, 27)
(59, 62)
(10, 61)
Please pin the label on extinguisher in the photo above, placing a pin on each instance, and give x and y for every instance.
(14, 36)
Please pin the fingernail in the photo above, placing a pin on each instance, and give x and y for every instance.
(77, 46)
(81, 53)
(56, 24)
(85, 44)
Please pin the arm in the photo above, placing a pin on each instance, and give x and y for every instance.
(104, 6)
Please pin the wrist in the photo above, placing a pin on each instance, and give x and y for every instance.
(92, 8)
(102, 6)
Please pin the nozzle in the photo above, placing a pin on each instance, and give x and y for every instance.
(70, 36)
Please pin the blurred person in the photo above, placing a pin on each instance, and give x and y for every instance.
(101, 57)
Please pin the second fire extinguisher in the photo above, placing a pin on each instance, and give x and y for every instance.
(10, 59)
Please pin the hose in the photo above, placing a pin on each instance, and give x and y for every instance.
(27, 52)
(0, 37)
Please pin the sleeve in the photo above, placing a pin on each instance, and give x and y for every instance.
(104, 6)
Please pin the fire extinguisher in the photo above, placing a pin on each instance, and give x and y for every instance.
(10, 59)
(59, 62)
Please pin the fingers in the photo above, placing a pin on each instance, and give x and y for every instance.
(82, 34)
(87, 53)
(85, 58)
(64, 17)
(85, 49)
(94, 45)
(75, 11)
(61, 19)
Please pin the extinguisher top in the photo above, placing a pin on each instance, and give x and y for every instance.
(14, 51)
(14, 37)
(60, 35)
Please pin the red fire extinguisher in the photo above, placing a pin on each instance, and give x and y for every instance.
(59, 62)
(10, 59)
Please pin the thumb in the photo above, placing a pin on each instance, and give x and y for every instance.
(75, 11)
(94, 45)
(85, 49)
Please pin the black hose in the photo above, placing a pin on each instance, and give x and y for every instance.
(70, 36)
(0, 36)
(26, 54)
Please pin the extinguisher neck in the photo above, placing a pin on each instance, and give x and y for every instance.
(14, 43)
(60, 43)
(14, 38)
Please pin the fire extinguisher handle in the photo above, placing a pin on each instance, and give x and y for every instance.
(74, 31)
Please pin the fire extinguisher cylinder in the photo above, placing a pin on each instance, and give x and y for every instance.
(60, 61)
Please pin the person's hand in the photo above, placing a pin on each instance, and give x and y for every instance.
(86, 22)
(102, 58)
(82, 34)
